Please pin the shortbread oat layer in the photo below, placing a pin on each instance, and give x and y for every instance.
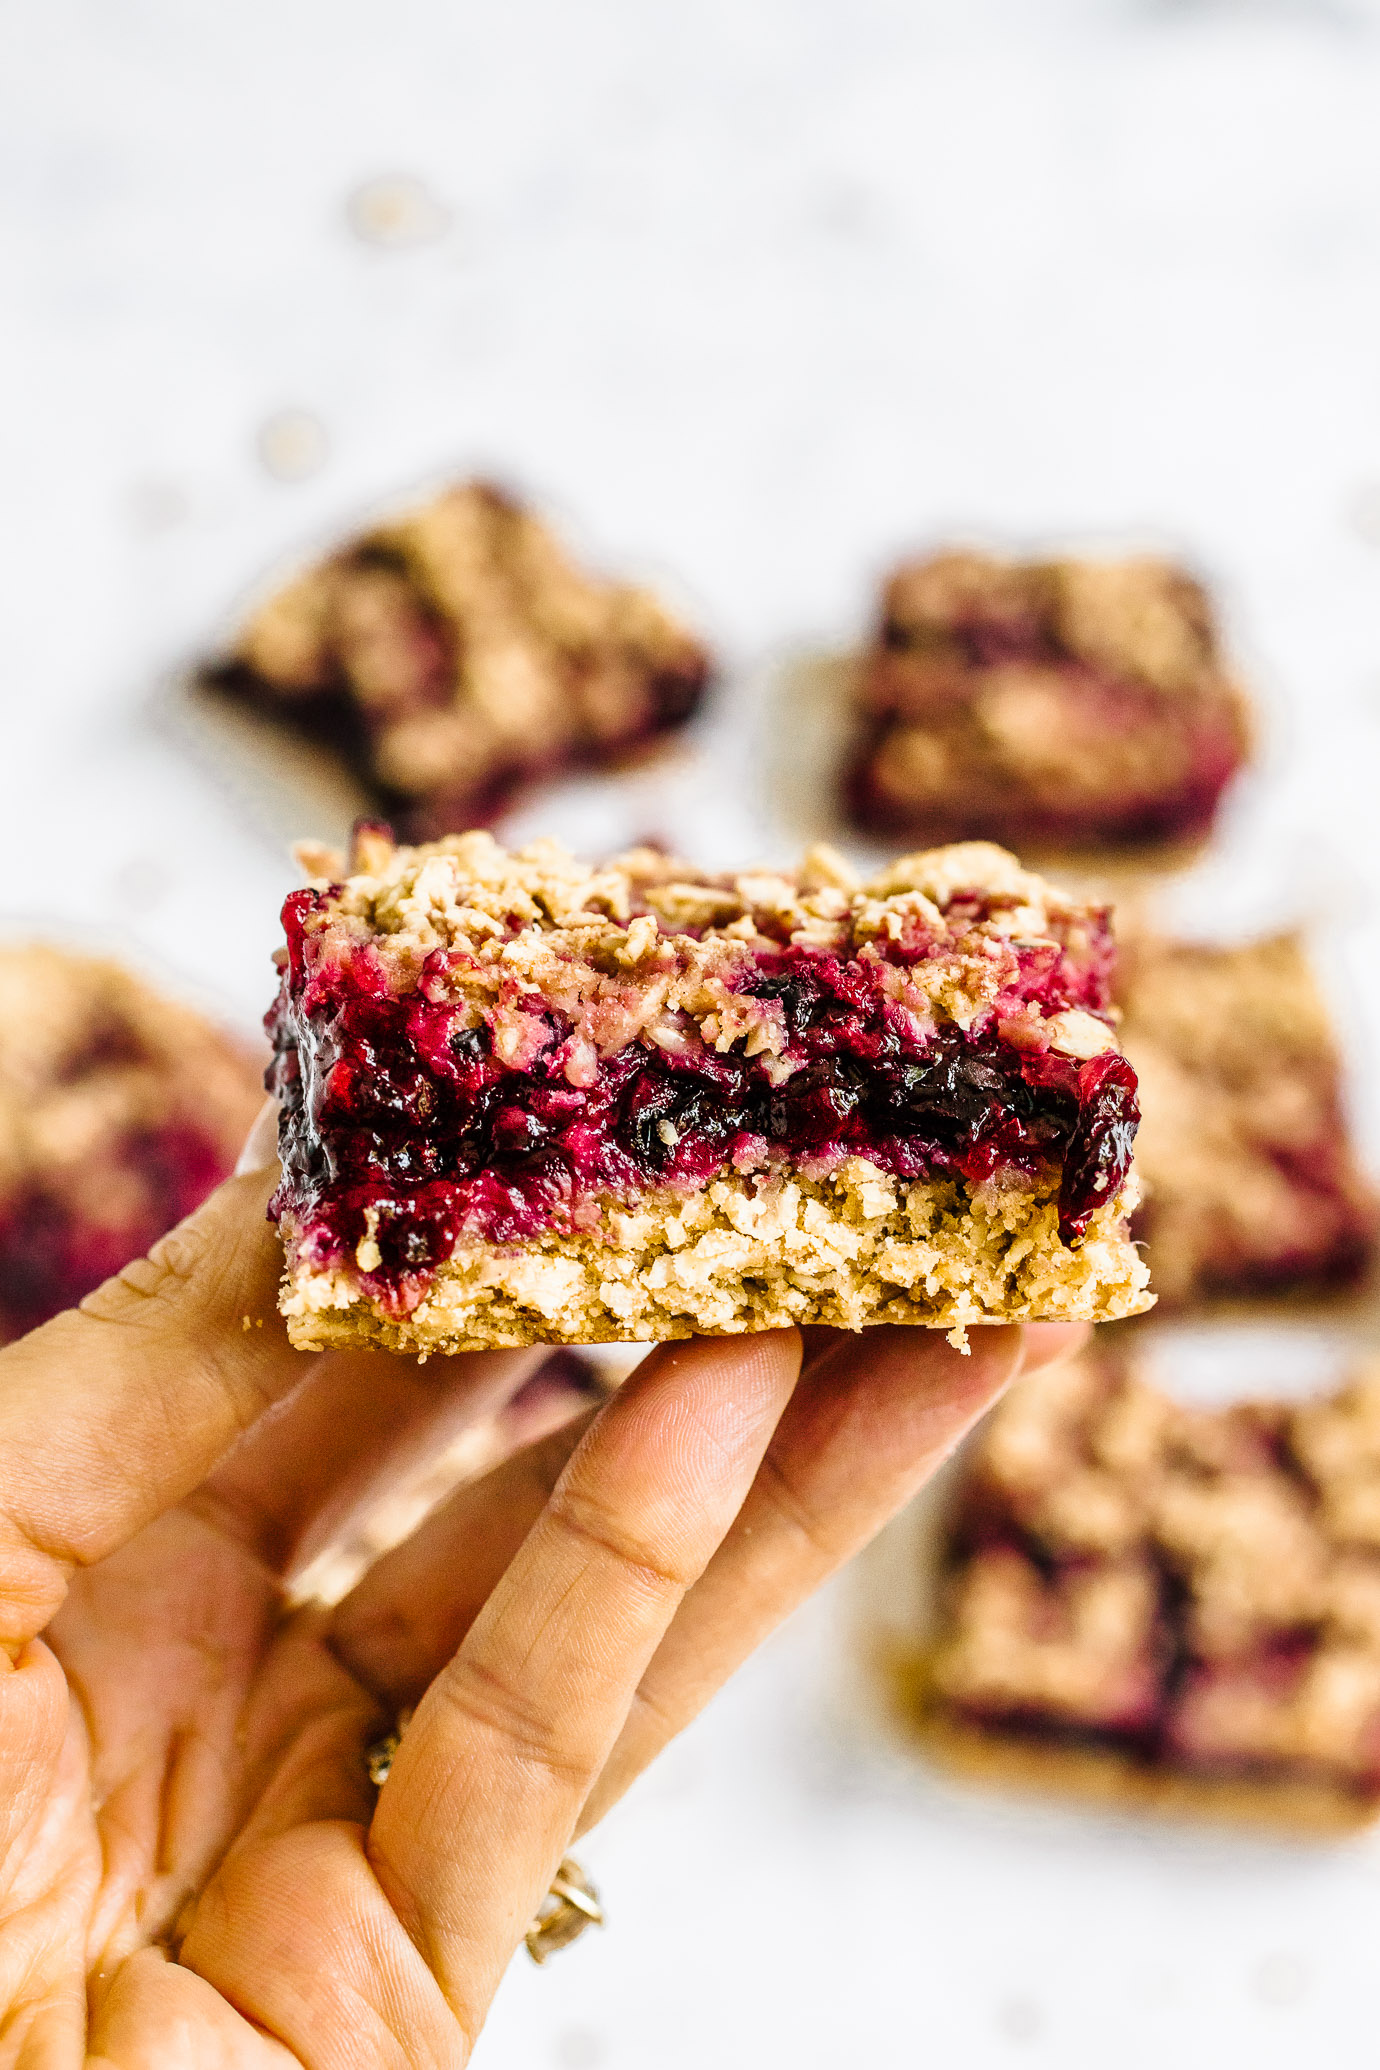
(853, 1249)
(526, 1100)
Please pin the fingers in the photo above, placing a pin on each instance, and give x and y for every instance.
(404, 1620)
(363, 1419)
(870, 1422)
(509, 1738)
(116, 1410)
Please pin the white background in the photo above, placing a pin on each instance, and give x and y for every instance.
(756, 293)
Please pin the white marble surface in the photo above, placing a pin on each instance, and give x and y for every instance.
(757, 292)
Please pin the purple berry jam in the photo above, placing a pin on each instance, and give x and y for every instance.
(402, 1122)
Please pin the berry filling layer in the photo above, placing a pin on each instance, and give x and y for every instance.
(416, 1119)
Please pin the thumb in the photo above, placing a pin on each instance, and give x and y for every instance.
(114, 1411)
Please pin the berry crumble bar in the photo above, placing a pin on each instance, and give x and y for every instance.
(1065, 704)
(457, 652)
(119, 1112)
(1251, 1183)
(529, 1100)
(1170, 1607)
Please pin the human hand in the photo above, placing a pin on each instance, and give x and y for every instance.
(195, 1867)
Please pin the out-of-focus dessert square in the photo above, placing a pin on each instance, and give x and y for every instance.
(457, 652)
(1056, 704)
(120, 1110)
(1252, 1185)
(1166, 1607)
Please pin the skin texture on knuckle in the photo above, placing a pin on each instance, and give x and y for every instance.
(33, 1588)
(641, 1557)
(544, 1742)
(300, 1934)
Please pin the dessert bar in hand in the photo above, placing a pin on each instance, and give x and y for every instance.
(1063, 704)
(1166, 1607)
(1251, 1183)
(528, 1100)
(119, 1112)
(457, 652)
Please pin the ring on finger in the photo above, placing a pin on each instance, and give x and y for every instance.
(570, 1905)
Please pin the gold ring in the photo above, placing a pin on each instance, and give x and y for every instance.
(571, 1904)
(378, 1758)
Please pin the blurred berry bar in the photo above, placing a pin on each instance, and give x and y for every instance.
(1062, 704)
(456, 653)
(1251, 1184)
(1167, 1607)
(119, 1112)
(527, 1100)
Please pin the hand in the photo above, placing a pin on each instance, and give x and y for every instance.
(195, 1867)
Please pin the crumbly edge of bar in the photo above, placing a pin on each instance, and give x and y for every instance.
(468, 885)
(471, 550)
(852, 1249)
(1113, 1781)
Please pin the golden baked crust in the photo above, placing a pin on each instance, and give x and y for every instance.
(628, 946)
(853, 1249)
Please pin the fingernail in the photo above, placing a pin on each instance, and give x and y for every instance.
(261, 1144)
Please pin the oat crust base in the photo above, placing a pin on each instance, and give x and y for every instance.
(745, 1254)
